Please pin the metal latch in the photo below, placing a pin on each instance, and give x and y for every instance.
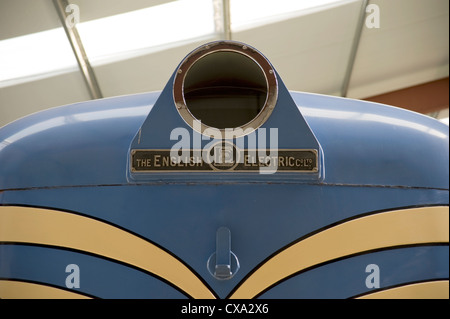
(223, 263)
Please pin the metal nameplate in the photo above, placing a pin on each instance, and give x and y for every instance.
(225, 158)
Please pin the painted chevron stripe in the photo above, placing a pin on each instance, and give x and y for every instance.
(16, 289)
(438, 289)
(378, 231)
(388, 229)
(62, 229)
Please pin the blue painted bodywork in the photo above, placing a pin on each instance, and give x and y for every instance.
(369, 144)
(76, 158)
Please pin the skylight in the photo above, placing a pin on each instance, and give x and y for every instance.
(147, 28)
(33, 54)
(251, 13)
(115, 37)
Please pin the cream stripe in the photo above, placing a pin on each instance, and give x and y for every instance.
(50, 227)
(25, 290)
(401, 227)
(424, 290)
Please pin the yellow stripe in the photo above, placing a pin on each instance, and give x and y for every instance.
(424, 290)
(56, 228)
(401, 227)
(26, 290)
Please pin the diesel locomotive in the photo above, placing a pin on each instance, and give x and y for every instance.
(225, 184)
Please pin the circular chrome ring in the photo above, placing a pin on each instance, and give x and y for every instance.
(226, 46)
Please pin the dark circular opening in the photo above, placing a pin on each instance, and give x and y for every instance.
(225, 89)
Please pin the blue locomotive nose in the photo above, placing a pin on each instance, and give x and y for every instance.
(224, 185)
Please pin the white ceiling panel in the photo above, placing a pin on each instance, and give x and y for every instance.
(149, 72)
(410, 47)
(310, 52)
(21, 17)
(96, 9)
(30, 97)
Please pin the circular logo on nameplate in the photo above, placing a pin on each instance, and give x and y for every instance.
(223, 156)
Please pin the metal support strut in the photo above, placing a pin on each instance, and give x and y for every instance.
(354, 49)
(78, 49)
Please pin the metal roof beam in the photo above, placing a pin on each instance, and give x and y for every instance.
(222, 18)
(354, 48)
(78, 49)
